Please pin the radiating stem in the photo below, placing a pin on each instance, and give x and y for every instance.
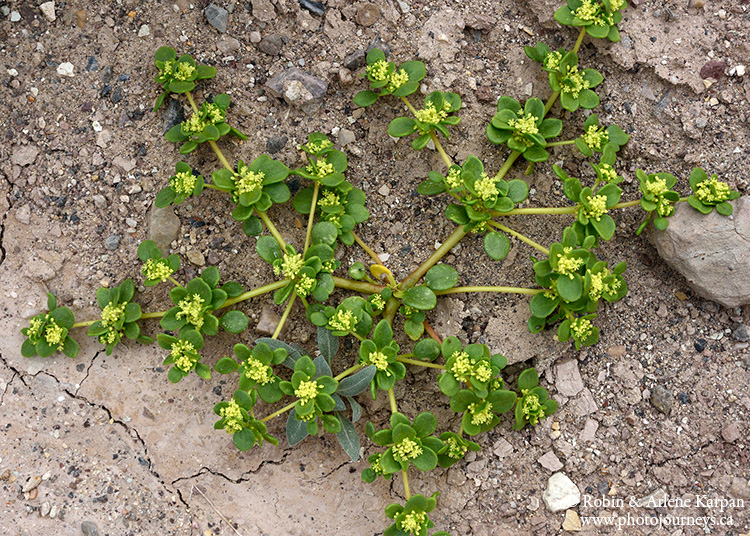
(542, 210)
(509, 290)
(420, 363)
(311, 219)
(348, 372)
(440, 150)
(431, 332)
(518, 235)
(173, 280)
(272, 229)
(559, 143)
(392, 400)
(391, 308)
(409, 105)
(579, 41)
(508, 163)
(366, 248)
(441, 252)
(407, 493)
(145, 316)
(255, 292)
(637, 202)
(359, 286)
(284, 316)
(278, 412)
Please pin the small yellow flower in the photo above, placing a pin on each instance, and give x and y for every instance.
(378, 70)
(157, 269)
(482, 416)
(616, 5)
(595, 137)
(184, 71)
(233, 417)
(486, 187)
(430, 115)
(317, 146)
(214, 114)
(413, 521)
(307, 390)
(526, 124)
(656, 186)
(581, 328)
(329, 199)
(112, 313)
(568, 265)
(576, 83)
(607, 172)
(192, 309)
(455, 449)
(291, 265)
(453, 180)
(248, 181)
(552, 60)
(193, 125)
(343, 320)
(304, 286)
(180, 357)
(256, 370)
(406, 450)
(380, 360)
(462, 367)
(183, 183)
(713, 191)
(588, 11)
(398, 79)
(377, 301)
(597, 207)
(55, 335)
(483, 372)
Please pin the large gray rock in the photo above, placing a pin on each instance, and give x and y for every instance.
(280, 84)
(163, 227)
(712, 252)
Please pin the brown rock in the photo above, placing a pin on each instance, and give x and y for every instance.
(572, 522)
(713, 69)
(485, 94)
(368, 14)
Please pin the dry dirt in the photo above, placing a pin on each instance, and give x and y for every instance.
(115, 444)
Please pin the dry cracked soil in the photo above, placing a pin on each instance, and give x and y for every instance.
(107, 445)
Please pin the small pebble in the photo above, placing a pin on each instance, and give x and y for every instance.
(218, 17)
(312, 6)
(661, 398)
(89, 528)
(48, 10)
(699, 345)
(111, 242)
(66, 69)
(368, 14)
(274, 144)
(144, 31)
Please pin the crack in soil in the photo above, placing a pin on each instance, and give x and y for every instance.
(2, 221)
(88, 370)
(244, 477)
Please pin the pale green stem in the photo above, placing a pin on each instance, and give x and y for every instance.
(409, 105)
(407, 493)
(173, 280)
(311, 219)
(256, 292)
(559, 143)
(392, 400)
(284, 316)
(553, 98)
(509, 290)
(518, 235)
(272, 229)
(440, 150)
(212, 143)
(420, 363)
(441, 252)
(506, 167)
(358, 286)
(347, 372)
(278, 412)
(366, 248)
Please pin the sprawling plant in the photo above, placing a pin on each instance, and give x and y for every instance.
(572, 281)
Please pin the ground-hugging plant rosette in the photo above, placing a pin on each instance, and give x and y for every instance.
(572, 281)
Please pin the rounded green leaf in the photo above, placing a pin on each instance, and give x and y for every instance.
(402, 126)
(420, 297)
(441, 277)
(570, 289)
(496, 245)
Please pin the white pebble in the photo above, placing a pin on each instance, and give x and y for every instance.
(48, 9)
(12, 72)
(144, 31)
(15, 16)
(66, 69)
(740, 70)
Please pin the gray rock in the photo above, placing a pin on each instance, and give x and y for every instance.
(313, 7)
(263, 10)
(271, 45)
(173, 115)
(218, 17)
(710, 251)
(296, 94)
(346, 137)
(550, 462)
(23, 214)
(196, 257)
(24, 155)
(355, 60)
(731, 433)
(274, 144)
(228, 45)
(268, 321)
(111, 242)
(661, 398)
(278, 85)
(48, 10)
(740, 333)
(88, 528)
(561, 493)
(163, 227)
(568, 379)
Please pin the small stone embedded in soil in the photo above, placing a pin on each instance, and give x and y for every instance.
(66, 69)
(196, 257)
(313, 6)
(277, 85)
(501, 448)
(699, 345)
(268, 321)
(655, 499)
(88, 528)
(661, 398)
(713, 69)
(24, 155)
(683, 398)
(218, 17)
(274, 144)
(561, 493)
(572, 522)
(111, 242)
(568, 379)
(173, 115)
(355, 60)
(163, 227)
(144, 31)
(271, 45)
(550, 462)
(31, 483)
(368, 14)
(48, 10)
(731, 433)
(740, 334)
(346, 137)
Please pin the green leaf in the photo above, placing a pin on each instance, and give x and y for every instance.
(70, 347)
(496, 245)
(724, 208)
(356, 383)
(226, 365)
(564, 16)
(541, 306)
(204, 72)
(324, 232)
(203, 371)
(427, 461)
(252, 226)
(420, 297)
(296, 430)
(51, 301)
(348, 438)
(588, 99)
(420, 142)
(570, 289)
(402, 126)
(234, 322)
(63, 317)
(605, 226)
(457, 214)
(365, 98)
(165, 54)
(528, 379)
(328, 344)
(550, 128)
(425, 424)
(518, 190)
(413, 328)
(211, 276)
(268, 249)
(441, 277)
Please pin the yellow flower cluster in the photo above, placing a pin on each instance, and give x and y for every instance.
(112, 313)
(307, 391)
(193, 125)
(575, 83)
(532, 409)
(233, 417)
(377, 301)
(35, 327)
(526, 124)
(380, 360)
(304, 286)
(329, 199)
(581, 328)
(323, 168)
(214, 114)
(180, 357)
(376, 467)
(55, 335)
(184, 71)
(607, 172)
(597, 207)
(343, 320)
(588, 11)
(713, 191)
(108, 338)
(155, 269)
(406, 449)
(397, 79)
(378, 70)
(317, 146)
(455, 449)
(256, 370)
(656, 186)
(183, 182)
(568, 265)
(247, 181)
(290, 265)
(552, 60)
(482, 416)
(595, 137)
(192, 309)
(486, 187)
(413, 521)
(431, 115)
(453, 180)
